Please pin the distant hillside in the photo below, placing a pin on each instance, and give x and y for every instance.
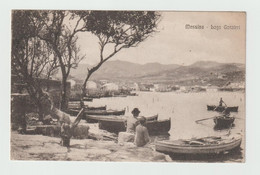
(121, 69)
(199, 73)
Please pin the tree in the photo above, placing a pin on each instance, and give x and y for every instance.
(31, 58)
(117, 30)
(63, 41)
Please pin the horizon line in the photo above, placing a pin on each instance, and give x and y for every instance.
(170, 63)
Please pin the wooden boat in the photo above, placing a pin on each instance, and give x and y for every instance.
(77, 106)
(223, 122)
(200, 146)
(97, 112)
(222, 108)
(105, 112)
(133, 94)
(87, 99)
(96, 108)
(78, 99)
(96, 118)
(154, 127)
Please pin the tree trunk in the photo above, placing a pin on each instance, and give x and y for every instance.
(84, 89)
(38, 97)
(64, 98)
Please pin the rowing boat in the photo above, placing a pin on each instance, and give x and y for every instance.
(105, 112)
(116, 125)
(97, 112)
(96, 118)
(77, 106)
(199, 146)
(223, 122)
(78, 99)
(222, 108)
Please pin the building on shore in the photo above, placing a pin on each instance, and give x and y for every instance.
(110, 87)
(212, 88)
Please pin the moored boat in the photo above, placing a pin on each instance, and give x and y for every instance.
(222, 108)
(199, 146)
(78, 99)
(87, 111)
(154, 127)
(105, 112)
(96, 108)
(96, 118)
(77, 106)
(223, 122)
(98, 112)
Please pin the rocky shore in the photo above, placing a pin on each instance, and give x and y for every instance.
(39, 147)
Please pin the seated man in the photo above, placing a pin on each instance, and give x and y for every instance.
(132, 122)
(141, 135)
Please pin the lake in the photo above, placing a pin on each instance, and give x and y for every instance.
(184, 109)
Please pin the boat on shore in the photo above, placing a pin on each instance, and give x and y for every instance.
(155, 127)
(132, 94)
(97, 118)
(222, 108)
(97, 112)
(78, 99)
(199, 146)
(78, 107)
(222, 122)
(105, 112)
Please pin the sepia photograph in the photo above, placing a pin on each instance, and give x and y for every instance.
(128, 86)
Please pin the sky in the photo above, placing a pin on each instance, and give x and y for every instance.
(175, 44)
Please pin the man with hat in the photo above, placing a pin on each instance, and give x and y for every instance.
(132, 122)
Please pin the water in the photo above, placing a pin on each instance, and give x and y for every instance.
(183, 109)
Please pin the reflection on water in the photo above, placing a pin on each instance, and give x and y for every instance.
(184, 109)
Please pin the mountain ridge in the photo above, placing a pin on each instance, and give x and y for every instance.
(156, 72)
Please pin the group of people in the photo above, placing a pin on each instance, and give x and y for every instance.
(136, 126)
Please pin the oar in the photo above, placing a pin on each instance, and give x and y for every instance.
(204, 119)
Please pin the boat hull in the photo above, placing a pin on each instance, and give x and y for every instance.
(222, 108)
(175, 148)
(120, 118)
(97, 112)
(105, 112)
(76, 106)
(154, 127)
(223, 122)
(78, 99)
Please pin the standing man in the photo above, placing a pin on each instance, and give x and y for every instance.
(66, 134)
(132, 122)
(221, 102)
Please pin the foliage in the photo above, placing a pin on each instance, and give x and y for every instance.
(119, 30)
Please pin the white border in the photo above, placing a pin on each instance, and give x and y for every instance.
(251, 166)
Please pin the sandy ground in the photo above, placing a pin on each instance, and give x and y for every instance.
(39, 147)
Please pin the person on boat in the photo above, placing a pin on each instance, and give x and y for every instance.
(221, 102)
(141, 135)
(226, 112)
(132, 122)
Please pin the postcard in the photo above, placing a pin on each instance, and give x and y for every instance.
(128, 86)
